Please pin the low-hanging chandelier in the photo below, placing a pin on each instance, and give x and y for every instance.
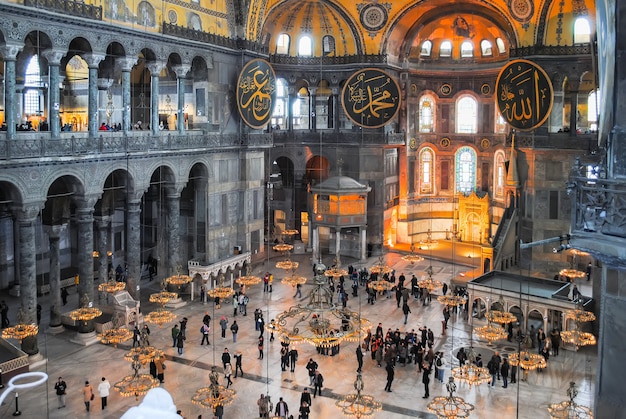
(501, 317)
(451, 300)
(357, 404)
(178, 279)
(86, 312)
(490, 332)
(412, 257)
(248, 279)
(159, 317)
(429, 283)
(294, 279)
(380, 267)
(569, 409)
(136, 384)
(336, 271)
(214, 394)
(220, 290)
(527, 360)
(450, 406)
(578, 338)
(21, 330)
(471, 373)
(117, 334)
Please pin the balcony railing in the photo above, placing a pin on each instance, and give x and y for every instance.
(39, 144)
(599, 206)
(210, 38)
(68, 7)
(343, 137)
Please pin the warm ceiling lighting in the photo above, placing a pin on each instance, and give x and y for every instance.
(450, 406)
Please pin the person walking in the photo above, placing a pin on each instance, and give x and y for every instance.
(293, 358)
(311, 367)
(103, 390)
(175, 332)
(439, 362)
(406, 310)
(225, 357)
(304, 411)
(298, 293)
(228, 371)
(305, 397)
(318, 383)
(263, 404)
(390, 375)
(234, 328)
(61, 389)
(136, 335)
(238, 355)
(180, 342)
(205, 329)
(223, 325)
(260, 346)
(88, 395)
(159, 364)
(282, 409)
(359, 358)
(426, 378)
(504, 371)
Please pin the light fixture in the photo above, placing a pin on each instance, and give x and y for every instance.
(358, 405)
(490, 332)
(450, 406)
(381, 268)
(136, 384)
(117, 334)
(287, 264)
(527, 361)
(580, 316)
(293, 279)
(429, 242)
(283, 247)
(95, 254)
(429, 283)
(572, 273)
(380, 285)
(500, 317)
(412, 257)
(220, 291)
(248, 279)
(578, 338)
(451, 300)
(336, 271)
(569, 409)
(179, 278)
(159, 317)
(86, 312)
(111, 286)
(21, 330)
(214, 394)
(144, 353)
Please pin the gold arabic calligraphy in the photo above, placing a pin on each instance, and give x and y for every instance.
(371, 95)
(257, 89)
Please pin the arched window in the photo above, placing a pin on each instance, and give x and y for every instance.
(465, 170)
(328, 45)
(282, 44)
(467, 49)
(194, 22)
(499, 175)
(593, 103)
(427, 169)
(427, 47)
(305, 47)
(279, 116)
(427, 114)
(445, 49)
(466, 115)
(32, 83)
(500, 44)
(582, 31)
(485, 48)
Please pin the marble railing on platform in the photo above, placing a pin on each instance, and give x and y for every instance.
(34, 144)
(343, 137)
(18, 361)
(599, 206)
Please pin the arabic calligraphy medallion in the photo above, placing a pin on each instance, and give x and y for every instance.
(371, 98)
(524, 95)
(256, 93)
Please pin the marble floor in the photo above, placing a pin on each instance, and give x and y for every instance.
(188, 372)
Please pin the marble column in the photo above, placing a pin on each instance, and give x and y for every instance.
(133, 247)
(289, 110)
(313, 108)
(155, 70)
(103, 89)
(54, 95)
(54, 235)
(27, 269)
(9, 54)
(337, 243)
(85, 247)
(335, 115)
(363, 243)
(556, 116)
(93, 60)
(126, 65)
(181, 72)
(573, 115)
(102, 224)
(173, 235)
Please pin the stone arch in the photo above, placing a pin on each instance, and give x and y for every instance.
(479, 307)
(317, 169)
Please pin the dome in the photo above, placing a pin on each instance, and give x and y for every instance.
(329, 29)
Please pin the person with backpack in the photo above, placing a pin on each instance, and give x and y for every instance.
(234, 328)
(439, 363)
(205, 329)
(494, 367)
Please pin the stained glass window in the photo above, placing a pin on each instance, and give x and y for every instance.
(465, 170)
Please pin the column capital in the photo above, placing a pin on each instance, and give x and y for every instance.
(93, 59)
(181, 70)
(54, 231)
(9, 51)
(155, 68)
(54, 56)
(126, 63)
(313, 91)
(104, 83)
(27, 213)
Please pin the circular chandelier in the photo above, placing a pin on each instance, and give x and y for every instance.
(136, 384)
(572, 273)
(248, 279)
(335, 272)
(490, 332)
(381, 268)
(429, 242)
(220, 291)
(21, 330)
(84, 314)
(287, 265)
(578, 338)
(450, 406)
(178, 279)
(290, 232)
(293, 279)
(144, 354)
(215, 394)
(358, 405)
(159, 317)
(527, 360)
(501, 317)
(283, 247)
(451, 300)
(111, 286)
(380, 285)
(580, 316)
(319, 322)
(429, 283)
(162, 297)
(412, 257)
(471, 374)
(115, 336)
(569, 409)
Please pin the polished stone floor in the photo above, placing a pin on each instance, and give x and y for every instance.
(186, 373)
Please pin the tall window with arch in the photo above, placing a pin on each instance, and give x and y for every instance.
(486, 49)
(501, 46)
(467, 49)
(427, 169)
(499, 175)
(445, 49)
(593, 108)
(305, 46)
(427, 114)
(582, 31)
(282, 44)
(426, 49)
(279, 114)
(466, 115)
(32, 84)
(465, 170)
(328, 46)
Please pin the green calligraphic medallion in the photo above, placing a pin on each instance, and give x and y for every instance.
(524, 95)
(256, 93)
(371, 98)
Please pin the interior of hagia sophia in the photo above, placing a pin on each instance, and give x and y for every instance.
(127, 137)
